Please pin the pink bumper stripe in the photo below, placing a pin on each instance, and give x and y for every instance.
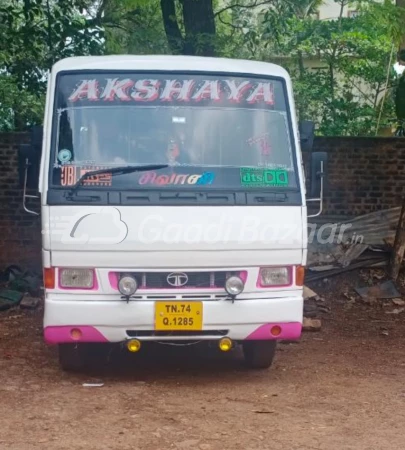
(290, 331)
(62, 335)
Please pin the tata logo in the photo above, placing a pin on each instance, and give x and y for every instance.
(177, 279)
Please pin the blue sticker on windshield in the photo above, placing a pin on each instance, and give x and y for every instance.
(65, 155)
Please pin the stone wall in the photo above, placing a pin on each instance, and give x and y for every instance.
(20, 232)
(364, 175)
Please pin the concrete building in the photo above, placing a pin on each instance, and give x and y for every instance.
(330, 10)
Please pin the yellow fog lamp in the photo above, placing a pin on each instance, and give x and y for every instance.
(133, 345)
(225, 344)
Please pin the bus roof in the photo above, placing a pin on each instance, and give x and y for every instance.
(169, 63)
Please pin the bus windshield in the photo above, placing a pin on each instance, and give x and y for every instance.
(216, 132)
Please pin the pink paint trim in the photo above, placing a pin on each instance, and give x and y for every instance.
(243, 275)
(290, 331)
(95, 286)
(61, 335)
(290, 273)
(113, 279)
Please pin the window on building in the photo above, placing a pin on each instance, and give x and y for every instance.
(352, 14)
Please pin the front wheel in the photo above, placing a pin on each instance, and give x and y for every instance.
(259, 354)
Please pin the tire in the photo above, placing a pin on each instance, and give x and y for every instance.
(71, 357)
(259, 354)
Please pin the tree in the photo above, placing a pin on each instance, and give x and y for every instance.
(401, 50)
(339, 67)
(35, 34)
(400, 91)
(199, 27)
(190, 27)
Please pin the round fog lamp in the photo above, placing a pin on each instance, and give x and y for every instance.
(75, 334)
(225, 344)
(234, 285)
(276, 330)
(134, 345)
(127, 285)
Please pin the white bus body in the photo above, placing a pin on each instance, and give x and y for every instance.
(180, 230)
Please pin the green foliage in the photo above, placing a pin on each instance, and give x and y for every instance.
(339, 67)
(133, 26)
(35, 34)
(18, 110)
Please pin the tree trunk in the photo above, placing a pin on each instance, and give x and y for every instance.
(172, 29)
(199, 24)
(401, 59)
(399, 246)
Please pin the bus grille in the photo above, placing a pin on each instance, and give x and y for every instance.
(182, 280)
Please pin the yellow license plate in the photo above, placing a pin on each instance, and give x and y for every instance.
(180, 316)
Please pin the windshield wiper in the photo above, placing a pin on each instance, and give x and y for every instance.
(116, 171)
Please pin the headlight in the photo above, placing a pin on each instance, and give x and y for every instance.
(234, 285)
(274, 276)
(76, 278)
(127, 285)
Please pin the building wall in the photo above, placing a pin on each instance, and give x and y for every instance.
(20, 232)
(331, 10)
(364, 175)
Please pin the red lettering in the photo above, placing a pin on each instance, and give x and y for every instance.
(147, 178)
(146, 90)
(180, 179)
(116, 88)
(237, 92)
(87, 89)
(265, 147)
(263, 91)
(175, 87)
(210, 89)
(68, 177)
(162, 179)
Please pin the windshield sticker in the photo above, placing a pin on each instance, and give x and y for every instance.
(152, 178)
(275, 166)
(263, 177)
(70, 175)
(65, 156)
(129, 90)
(178, 119)
(263, 142)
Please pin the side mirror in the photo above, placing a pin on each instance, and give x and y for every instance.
(318, 174)
(307, 133)
(29, 159)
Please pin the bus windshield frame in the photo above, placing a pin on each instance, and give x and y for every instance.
(184, 176)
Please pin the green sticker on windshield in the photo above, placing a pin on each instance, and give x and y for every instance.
(263, 177)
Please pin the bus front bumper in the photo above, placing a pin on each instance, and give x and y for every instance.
(75, 321)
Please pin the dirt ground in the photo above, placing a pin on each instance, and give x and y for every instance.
(341, 388)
